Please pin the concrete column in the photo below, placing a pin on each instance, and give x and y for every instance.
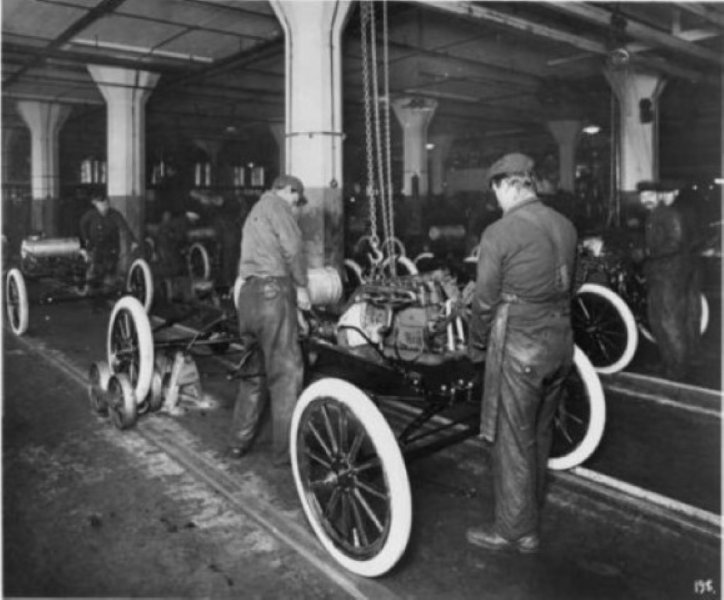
(313, 132)
(44, 119)
(277, 130)
(438, 155)
(126, 92)
(566, 133)
(414, 115)
(638, 143)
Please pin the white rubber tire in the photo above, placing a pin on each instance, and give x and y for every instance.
(204, 259)
(632, 336)
(597, 419)
(238, 283)
(130, 308)
(142, 267)
(121, 401)
(385, 444)
(402, 261)
(18, 322)
(704, 322)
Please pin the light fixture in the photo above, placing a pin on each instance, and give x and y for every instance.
(591, 129)
(429, 146)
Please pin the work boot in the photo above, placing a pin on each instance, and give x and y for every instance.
(491, 540)
(238, 451)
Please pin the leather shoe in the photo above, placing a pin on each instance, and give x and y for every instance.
(491, 540)
(237, 451)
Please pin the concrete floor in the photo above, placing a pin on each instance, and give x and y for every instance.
(160, 511)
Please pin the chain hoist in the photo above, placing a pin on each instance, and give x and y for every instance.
(379, 170)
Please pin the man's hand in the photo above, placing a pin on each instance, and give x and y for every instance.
(303, 301)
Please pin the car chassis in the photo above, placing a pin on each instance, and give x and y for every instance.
(399, 346)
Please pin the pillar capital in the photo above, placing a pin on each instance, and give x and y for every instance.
(126, 92)
(44, 119)
(414, 114)
(638, 136)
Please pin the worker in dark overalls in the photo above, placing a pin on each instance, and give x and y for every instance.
(101, 230)
(672, 278)
(274, 270)
(521, 326)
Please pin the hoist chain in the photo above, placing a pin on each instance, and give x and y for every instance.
(365, 17)
(378, 154)
(388, 200)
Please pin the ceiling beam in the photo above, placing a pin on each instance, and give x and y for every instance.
(98, 11)
(159, 65)
(705, 12)
(468, 10)
(644, 33)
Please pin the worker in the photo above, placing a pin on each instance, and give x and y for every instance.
(101, 230)
(274, 270)
(672, 278)
(521, 326)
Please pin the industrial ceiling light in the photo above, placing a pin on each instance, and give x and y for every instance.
(591, 129)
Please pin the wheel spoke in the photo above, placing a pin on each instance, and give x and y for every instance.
(370, 464)
(359, 527)
(317, 435)
(332, 504)
(343, 420)
(356, 444)
(315, 457)
(368, 509)
(371, 490)
(329, 428)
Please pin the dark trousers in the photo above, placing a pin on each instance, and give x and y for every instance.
(534, 368)
(102, 272)
(274, 371)
(674, 312)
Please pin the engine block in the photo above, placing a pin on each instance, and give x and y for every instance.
(408, 318)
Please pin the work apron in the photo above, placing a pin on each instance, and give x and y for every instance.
(493, 373)
(496, 342)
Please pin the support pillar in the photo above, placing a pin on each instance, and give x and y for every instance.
(313, 133)
(414, 115)
(638, 140)
(443, 143)
(126, 92)
(277, 130)
(44, 119)
(566, 133)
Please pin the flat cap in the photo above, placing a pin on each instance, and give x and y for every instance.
(511, 164)
(284, 180)
(664, 185)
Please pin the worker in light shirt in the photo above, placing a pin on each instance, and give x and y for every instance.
(274, 270)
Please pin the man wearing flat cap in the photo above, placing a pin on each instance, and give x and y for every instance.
(274, 270)
(672, 278)
(521, 326)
